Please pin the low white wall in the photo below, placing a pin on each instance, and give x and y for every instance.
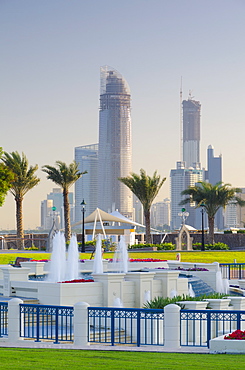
(221, 345)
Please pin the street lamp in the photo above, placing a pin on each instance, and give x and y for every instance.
(83, 204)
(203, 246)
(183, 214)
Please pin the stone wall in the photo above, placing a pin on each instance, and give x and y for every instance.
(234, 241)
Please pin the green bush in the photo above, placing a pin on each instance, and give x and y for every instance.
(160, 302)
(211, 247)
(32, 248)
(166, 247)
(240, 231)
(163, 246)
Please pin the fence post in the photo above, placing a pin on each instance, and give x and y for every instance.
(172, 326)
(14, 320)
(81, 331)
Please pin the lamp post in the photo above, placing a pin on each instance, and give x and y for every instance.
(183, 214)
(83, 204)
(203, 246)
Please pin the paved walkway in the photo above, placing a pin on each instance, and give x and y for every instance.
(99, 347)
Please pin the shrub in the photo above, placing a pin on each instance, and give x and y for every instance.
(32, 248)
(160, 302)
(163, 246)
(212, 247)
(166, 247)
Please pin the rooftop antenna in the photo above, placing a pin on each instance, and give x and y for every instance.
(181, 121)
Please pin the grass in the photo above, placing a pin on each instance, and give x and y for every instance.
(47, 359)
(195, 256)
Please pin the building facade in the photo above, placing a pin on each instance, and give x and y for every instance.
(191, 131)
(55, 199)
(115, 143)
(214, 175)
(160, 214)
(180, 179)
(87, 186)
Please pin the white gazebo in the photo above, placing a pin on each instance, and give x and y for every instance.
(99, 216)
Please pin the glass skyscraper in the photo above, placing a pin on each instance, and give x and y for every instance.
(87, 186)
(115, 142)
(191, 131)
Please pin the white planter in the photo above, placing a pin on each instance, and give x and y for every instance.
(221, 345)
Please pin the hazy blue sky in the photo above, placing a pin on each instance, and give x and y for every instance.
(51, 53)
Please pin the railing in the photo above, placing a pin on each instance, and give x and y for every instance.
(197, 327)
(3, 319)
(233, 270)
(53, 323)
(133, 326)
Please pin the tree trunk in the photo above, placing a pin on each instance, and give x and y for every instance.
(211, 229)
(19, 223)
(67, 215)
(147, 227)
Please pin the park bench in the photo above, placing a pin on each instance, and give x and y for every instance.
(18, 260)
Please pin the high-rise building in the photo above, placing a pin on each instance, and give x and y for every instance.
(160, 214)
(181, 178)
(115, 143)
(138, 212)
(214, 171)
(191, 131)
(234, 214)
(55, 199)
(241, 210)
(214, 175)
(87, 186)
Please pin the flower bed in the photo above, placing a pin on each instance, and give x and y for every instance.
(192, 269)
(77, 281)
(142, 260)
(237, 335)
(39, 260)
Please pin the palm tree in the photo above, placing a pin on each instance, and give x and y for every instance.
(211, 198)
(65, 176)
(24, 180)
(146, 189)
(6, 176)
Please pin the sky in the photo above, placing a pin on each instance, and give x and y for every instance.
(51, 54)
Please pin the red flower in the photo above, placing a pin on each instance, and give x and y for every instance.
(77, 281)
(237, 334)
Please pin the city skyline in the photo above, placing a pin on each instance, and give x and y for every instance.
(51, 54)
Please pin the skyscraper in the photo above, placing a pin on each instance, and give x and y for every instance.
(181, 178)
(214, 175)
(87, 186)
(115, 142)
(191, 131)
(214, 172)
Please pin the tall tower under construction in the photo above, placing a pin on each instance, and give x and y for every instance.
(115, 142)
(191, 131)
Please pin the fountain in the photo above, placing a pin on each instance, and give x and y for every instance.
(120, 260)
(219, 282)
(98, 265)
(147, 296)
(58, 259)
(191, 292)
(117, 303)
(60, 269)
(226, 286)
(173, 293)
(72, 271)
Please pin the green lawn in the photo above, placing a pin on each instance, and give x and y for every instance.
(207, 256)
(43, 359)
